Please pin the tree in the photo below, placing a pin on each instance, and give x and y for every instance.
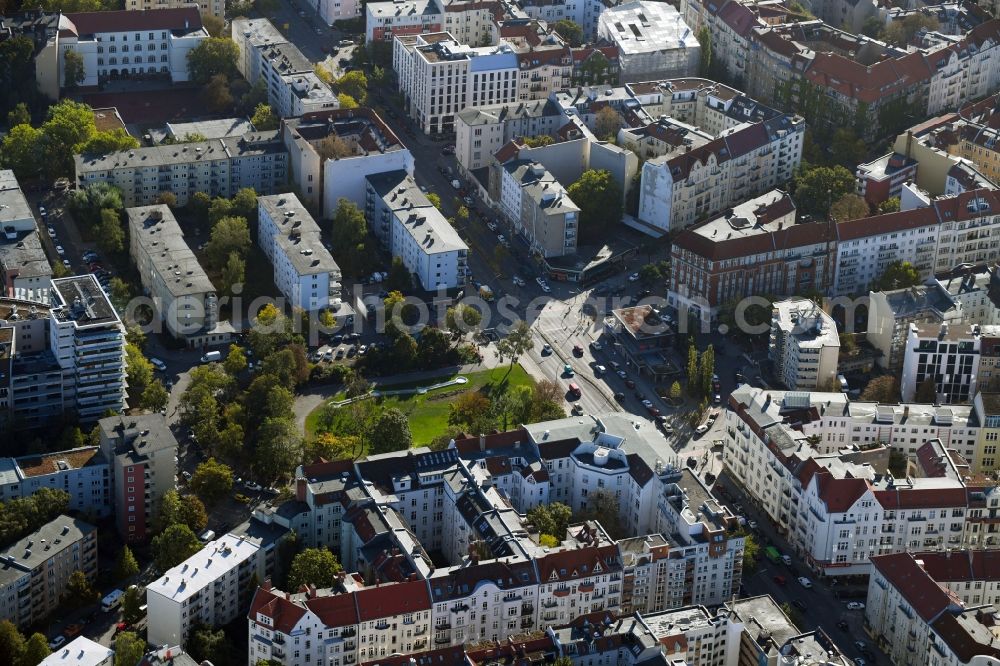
(900, 33)
(599, 197)
(181, 510)
(884, 389)
(279, 448)
(213, 25)
(129, 649)
(131, 602)
(79, 592)
(127, 566)
(399, 278)
(167, 198)
(872, 26)
(236, 360)
(111, 141)
(74, 72)
(36, 649)
(607, 123)
(926, 392)
(212, 481)
(390, 432)
(348, 234)
(569, 31)
(538, 141)
(110, 233)
(264, 118)
(11, 643)
(174, 545)
(751, 549)
(87, 204)
(215, 56)
(603, 507)
(897, 275)
(515, 344)
(650, 273)
(551, 519)
(849, 207)
(19, 115)
(69, 125)
(229, 235)
(138, 370)
(17, 71)
(204, 644)
(694, 379)
(470, 411)
(332, 147)
(216, 95)
(846, 148)
(219, 208)
(313, 566)
(461, 318)
(379, 76)
(707, 368)
(705, 41)
(816, 188)
(675, 391)
(890, 205)
(233, 273)
(792, 613)
(21, 151)
(434, 199)
(848, 343)
(355, 84)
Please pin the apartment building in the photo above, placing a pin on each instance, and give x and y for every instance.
(331, 153)
(987, 407)
(483, 130)
(439, 77)
(411, 228)
(883, 178)
(890, 314)
(184, 298)
(804, 345)
(220, 167)
(331, 11)
(24, 268)
(538, 208)
(752, 249)
(88, 341)
(216, 8)
(687, 184)
(131, 44)
(81, 651)
(838, 509)
(83, 473)
(652, 41)
(304, 271)
(211, 587)
(585, 13)
(949, 356)
(386, 20)
(140, 452)
(293, 88)
(975, 290)
(934, 603)
(35, 570)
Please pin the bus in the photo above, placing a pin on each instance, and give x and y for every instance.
(575, 391)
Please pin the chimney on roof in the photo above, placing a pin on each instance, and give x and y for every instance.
(482, 442)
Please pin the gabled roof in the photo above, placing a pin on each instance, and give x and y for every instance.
(572, 564)
(925, 596)
(876, 225)
(284, 613)
(395, 599)
(921, 498)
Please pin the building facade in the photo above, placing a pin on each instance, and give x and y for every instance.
(804, 345)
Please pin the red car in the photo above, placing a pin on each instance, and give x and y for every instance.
(654, 411)
(629, 383)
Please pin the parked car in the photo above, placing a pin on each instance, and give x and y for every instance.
(801, 605)
(577, 350)
(855, 605)
(60, 251)
(596, 345)
(780, 580)
(491, 226)
(546, 349)
(634, 277)
(805, 582)
(57, 642)
(701, 430)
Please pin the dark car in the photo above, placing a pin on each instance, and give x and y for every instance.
(843, 626)
(801, 605)
(620, 397)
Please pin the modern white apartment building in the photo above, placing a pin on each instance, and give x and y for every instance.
(210, 588)
(35, 570)
(220, 167)
(304, 271)
(83, 473)
(949, 355)
(81, 651)
(439, 77)
(88, 341)
(183, 297)
(24, 268)
(331, 153)
(890, 314)
(935, 603)
(838, 509)
(387, 20)
(131, 44)
(140, 452)
(652, 39)
(408, 224)
(293, 88)
(539, 208)
(804, 345)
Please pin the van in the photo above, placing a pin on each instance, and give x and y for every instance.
(575, 391)
(787, 560)
(158, 364)
(212, 357)
(112, 601)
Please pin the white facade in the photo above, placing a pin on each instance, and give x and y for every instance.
(584, 13)
(206, 588)
(304, 271)
(338, 10)
(123, 44)
(652, 39)
(947, 354)
(81, 651)
(80, 472)
(804, 345)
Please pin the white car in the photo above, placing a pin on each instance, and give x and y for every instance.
(855, 605)
(546, 349)
(491, 226)
(647, 404)
(634, 277)
(596, 345)
(805, 582)
(702, 429)
(66, 264)
(540, 281)
(600, 370)
(60, 251)
(546, 288)
(501, 239)
(57, 642)
(622, 374)
(254, 486)
(51, 230)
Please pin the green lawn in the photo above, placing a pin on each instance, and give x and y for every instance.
(428, 413)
